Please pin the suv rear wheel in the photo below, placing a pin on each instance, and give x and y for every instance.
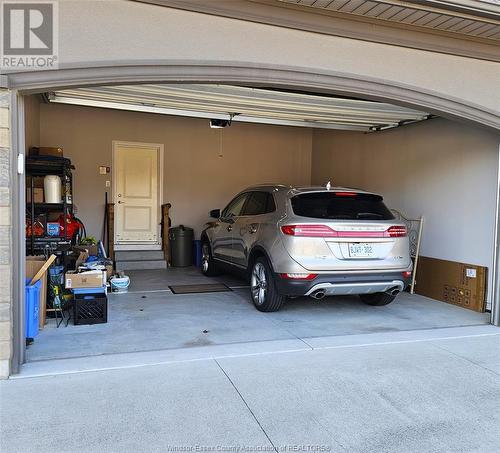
(377, 299)
(263, 289)
(208, 266)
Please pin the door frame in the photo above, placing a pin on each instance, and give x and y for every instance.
(160, 147)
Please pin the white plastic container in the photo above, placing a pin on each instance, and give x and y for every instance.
(52, 189)
(120, 284)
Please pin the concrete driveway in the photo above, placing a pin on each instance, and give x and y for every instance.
(432, 392)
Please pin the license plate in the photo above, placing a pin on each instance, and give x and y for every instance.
(361, 250)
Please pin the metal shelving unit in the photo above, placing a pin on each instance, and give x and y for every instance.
(41, 167)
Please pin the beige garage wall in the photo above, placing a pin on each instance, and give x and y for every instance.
(442, 170)
(196, 179)
(32, 124)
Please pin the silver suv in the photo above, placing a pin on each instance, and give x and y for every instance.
(312, 241)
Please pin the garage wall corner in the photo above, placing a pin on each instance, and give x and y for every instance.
(441, 169)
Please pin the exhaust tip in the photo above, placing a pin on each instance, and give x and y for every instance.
(393, 291)
(319, 294)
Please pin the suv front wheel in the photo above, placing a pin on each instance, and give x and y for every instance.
(263, 289)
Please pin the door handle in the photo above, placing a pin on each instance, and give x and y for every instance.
(121, 202)
(229, 228)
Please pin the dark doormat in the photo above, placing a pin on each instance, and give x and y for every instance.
(206, 288)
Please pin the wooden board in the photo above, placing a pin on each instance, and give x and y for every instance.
(165, 225)
(452, 282)
(43, 269)
(111, 230)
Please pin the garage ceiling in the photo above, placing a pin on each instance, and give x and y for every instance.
(244, 104)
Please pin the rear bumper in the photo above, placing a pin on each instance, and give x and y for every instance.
(343, 284)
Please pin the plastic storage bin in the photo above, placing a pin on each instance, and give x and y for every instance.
(181, 246)
(90, 308)
(52, 189)
(32, 307)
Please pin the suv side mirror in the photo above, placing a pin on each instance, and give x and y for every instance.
(215, 213)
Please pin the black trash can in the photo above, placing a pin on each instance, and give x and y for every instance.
(181, 246)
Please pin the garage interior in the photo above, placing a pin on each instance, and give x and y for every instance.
(424, 165)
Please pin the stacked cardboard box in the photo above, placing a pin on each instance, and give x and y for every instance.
(452, 282)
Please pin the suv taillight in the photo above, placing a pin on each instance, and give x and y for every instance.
(397, 231)
(308, 230)
(324, 231)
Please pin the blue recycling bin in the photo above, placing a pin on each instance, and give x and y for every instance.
(32, 305)
(197, 253)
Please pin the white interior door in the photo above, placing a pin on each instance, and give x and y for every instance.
(137, 177)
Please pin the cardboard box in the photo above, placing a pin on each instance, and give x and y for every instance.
(46, 151)
(33, 265)
(452, 282)
(37, 195)
(89, 279)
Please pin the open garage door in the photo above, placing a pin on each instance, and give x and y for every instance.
(220, 139)
(243, 104)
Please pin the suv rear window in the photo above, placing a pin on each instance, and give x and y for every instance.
(346, 206)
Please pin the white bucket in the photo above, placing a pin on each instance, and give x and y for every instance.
(120, 284)
(52, 189)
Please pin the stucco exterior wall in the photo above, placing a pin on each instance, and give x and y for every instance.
(187, 36)
(5, 238)
(439, 169)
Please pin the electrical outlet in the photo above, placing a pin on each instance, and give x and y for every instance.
(108, 183)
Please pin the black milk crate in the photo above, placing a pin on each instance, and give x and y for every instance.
(90, 308)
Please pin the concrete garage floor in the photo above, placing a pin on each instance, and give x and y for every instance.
(150, 318)
(334, 376)
(437, 396)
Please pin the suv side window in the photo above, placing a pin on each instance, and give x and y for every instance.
(260, 203)
(235, 207)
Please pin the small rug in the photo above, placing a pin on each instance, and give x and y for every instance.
(193, 289)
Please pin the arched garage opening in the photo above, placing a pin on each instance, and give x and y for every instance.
(398, 162)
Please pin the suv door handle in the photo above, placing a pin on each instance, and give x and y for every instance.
(229, 228)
